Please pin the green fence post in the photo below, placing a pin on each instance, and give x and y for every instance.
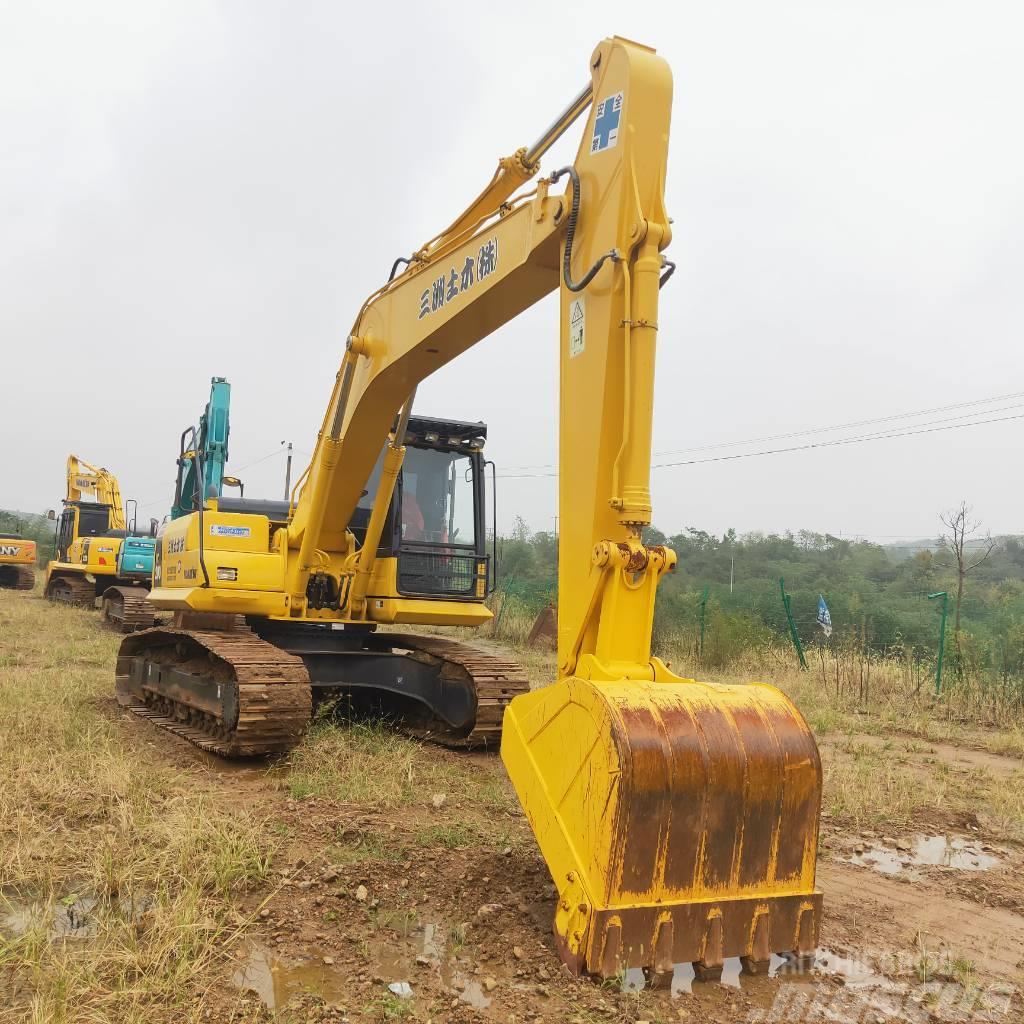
(504, 593)
(942, 638)
(792, 625)
(703, 611)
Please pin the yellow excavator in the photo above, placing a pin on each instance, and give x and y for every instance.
(17, 562)
(679, 819)
(98, 552)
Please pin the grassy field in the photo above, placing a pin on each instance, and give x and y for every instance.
(88, 818)
(173, 862)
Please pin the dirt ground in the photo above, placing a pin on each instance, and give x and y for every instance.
(431, 903)
(459, 906)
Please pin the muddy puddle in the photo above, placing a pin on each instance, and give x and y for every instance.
(839, 988)
(400, 969)
(276, 979)
(74, 917)
(954, 852)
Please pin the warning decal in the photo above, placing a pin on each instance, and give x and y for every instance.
(577, 340)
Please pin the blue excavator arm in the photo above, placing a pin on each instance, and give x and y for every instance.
(204, 453)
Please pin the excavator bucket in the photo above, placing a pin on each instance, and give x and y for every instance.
(679, 821)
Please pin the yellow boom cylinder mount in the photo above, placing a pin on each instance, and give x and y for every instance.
(678, 819)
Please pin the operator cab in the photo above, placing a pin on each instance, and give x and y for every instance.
(435, 525)
(85, 519)
(80, 519)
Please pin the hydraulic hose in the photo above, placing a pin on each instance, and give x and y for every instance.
(570, 231)
(202, 506)
(395, 265)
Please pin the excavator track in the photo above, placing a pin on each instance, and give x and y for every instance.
(127, 609)
(75, 590)
(228, 692)
(495, 678)
(17, 577)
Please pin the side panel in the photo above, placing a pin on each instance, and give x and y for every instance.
(242, 574)
(385, 604)
(96, 555)
(15, 551)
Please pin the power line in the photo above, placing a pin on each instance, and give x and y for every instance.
(256, 462)
(823, 430)
(841, 441)
(850, 426)
(880, 436)
(248, 465)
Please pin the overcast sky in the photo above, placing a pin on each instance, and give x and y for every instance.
(190, 189)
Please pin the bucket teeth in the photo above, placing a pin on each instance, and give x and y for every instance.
(759, 958)
(704, 938)
(709, 966)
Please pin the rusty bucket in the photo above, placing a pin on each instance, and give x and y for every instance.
(679, 821)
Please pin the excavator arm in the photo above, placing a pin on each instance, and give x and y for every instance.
(84, 478)
(204, 453)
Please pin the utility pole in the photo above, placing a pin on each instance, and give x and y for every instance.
(942, 638)
(732, 570)
(288, 473)
(792, 625)
(703, 612)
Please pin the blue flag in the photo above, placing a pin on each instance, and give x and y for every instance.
(824, 618)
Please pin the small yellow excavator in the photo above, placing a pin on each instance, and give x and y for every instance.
(17, 562)
(679, 819)
(98, 553)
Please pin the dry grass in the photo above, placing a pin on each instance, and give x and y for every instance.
(869, 786)
(91, 815)
(879, 697)
(365, 765)
(370, 766)
(87, 819)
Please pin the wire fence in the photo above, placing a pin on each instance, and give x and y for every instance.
(717, 628)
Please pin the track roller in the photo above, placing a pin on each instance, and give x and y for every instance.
(126, 608)
(229, 692)
(17, 577)
(75, 590)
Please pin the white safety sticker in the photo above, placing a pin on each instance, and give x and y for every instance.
(606, 123)
(218, 530)
(577, 333)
